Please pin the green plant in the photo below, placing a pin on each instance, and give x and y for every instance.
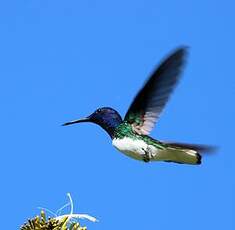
(61, 222)
(43, 223)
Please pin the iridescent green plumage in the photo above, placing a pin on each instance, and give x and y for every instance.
(125, 130)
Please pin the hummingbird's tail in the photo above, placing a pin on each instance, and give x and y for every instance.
(183, 153)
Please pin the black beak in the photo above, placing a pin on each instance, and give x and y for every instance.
(86, 119)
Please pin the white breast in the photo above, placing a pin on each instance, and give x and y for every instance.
(132, 148)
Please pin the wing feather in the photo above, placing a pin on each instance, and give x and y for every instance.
(148, 104)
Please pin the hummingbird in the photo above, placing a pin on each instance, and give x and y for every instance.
(131, 134)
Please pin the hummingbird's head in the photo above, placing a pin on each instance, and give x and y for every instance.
(105, 117)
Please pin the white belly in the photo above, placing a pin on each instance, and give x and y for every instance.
(138, 149)
(132, 148)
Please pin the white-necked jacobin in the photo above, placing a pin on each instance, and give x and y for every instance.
(130, 135)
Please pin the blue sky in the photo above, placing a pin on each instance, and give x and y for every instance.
(61, 60)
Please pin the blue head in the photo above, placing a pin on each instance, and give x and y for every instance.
(105, 117)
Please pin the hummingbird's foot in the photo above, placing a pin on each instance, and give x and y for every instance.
(146, 157)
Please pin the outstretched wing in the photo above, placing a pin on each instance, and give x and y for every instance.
(201, 148)
(148, 104)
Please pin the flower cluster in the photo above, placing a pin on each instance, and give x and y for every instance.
(43, 223)
(58, 222)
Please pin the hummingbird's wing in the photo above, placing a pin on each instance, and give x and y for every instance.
(148, 104)
(197, 147)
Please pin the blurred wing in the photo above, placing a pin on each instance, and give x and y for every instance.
(148, 104)
(197, 147)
